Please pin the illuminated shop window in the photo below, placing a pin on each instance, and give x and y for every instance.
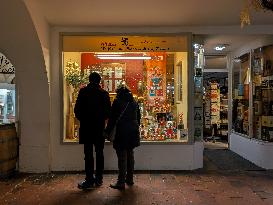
(262, 78)
(240, 103)
(154, 68)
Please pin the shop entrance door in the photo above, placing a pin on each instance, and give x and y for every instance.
(216, 110)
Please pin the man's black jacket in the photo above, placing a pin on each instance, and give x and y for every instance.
(92, 108)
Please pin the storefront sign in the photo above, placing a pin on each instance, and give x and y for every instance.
(124, 43)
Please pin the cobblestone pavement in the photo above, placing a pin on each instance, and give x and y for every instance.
(172, 188)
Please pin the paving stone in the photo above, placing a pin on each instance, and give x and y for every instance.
(198, 188)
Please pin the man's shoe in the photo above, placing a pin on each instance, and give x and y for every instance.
(85, 185)
(129, 182)
(98, 182)
(118, 186)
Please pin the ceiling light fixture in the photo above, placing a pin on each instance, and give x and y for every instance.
(106, 55)
(109, 53)
(125, 57)
(220, 47)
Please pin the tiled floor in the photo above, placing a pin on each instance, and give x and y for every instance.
(218, 144)
(185, 187)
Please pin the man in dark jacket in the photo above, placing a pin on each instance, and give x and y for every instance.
(92, 109)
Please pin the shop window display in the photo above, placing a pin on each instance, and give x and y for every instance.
(262, 77)
(157, 80)
(240, 107)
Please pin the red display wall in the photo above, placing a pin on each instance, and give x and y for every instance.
(156, 78)
(133, 73)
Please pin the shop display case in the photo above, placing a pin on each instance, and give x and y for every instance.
(223, 128)
(240, 103)
(262, 75)
(254, 145)
(158, 82)
(254, 72)
(215, 104)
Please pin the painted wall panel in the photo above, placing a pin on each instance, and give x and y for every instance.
(258, 152)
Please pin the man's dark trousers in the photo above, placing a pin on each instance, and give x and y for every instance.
(89, 161)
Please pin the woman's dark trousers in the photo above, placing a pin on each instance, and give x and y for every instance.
(125, 165)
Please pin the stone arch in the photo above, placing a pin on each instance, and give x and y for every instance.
(20, 42)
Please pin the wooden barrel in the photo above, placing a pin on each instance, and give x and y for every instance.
(8, 150)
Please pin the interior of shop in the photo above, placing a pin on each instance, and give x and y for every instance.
(215, 103)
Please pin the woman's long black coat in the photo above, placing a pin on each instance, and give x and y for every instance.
(127, 132)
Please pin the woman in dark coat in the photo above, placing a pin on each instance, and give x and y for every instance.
(127, 134)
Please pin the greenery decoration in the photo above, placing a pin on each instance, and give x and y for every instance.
(75, 76)
(257, 5)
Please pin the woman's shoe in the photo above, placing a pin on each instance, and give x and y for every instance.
(118, 186)
(86, 185)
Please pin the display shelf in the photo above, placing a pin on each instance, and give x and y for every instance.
(216, 111)
(240, 102)
(263, 95)
(223, 123)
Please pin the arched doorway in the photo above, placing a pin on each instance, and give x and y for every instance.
(8, 137)
(7, 91)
